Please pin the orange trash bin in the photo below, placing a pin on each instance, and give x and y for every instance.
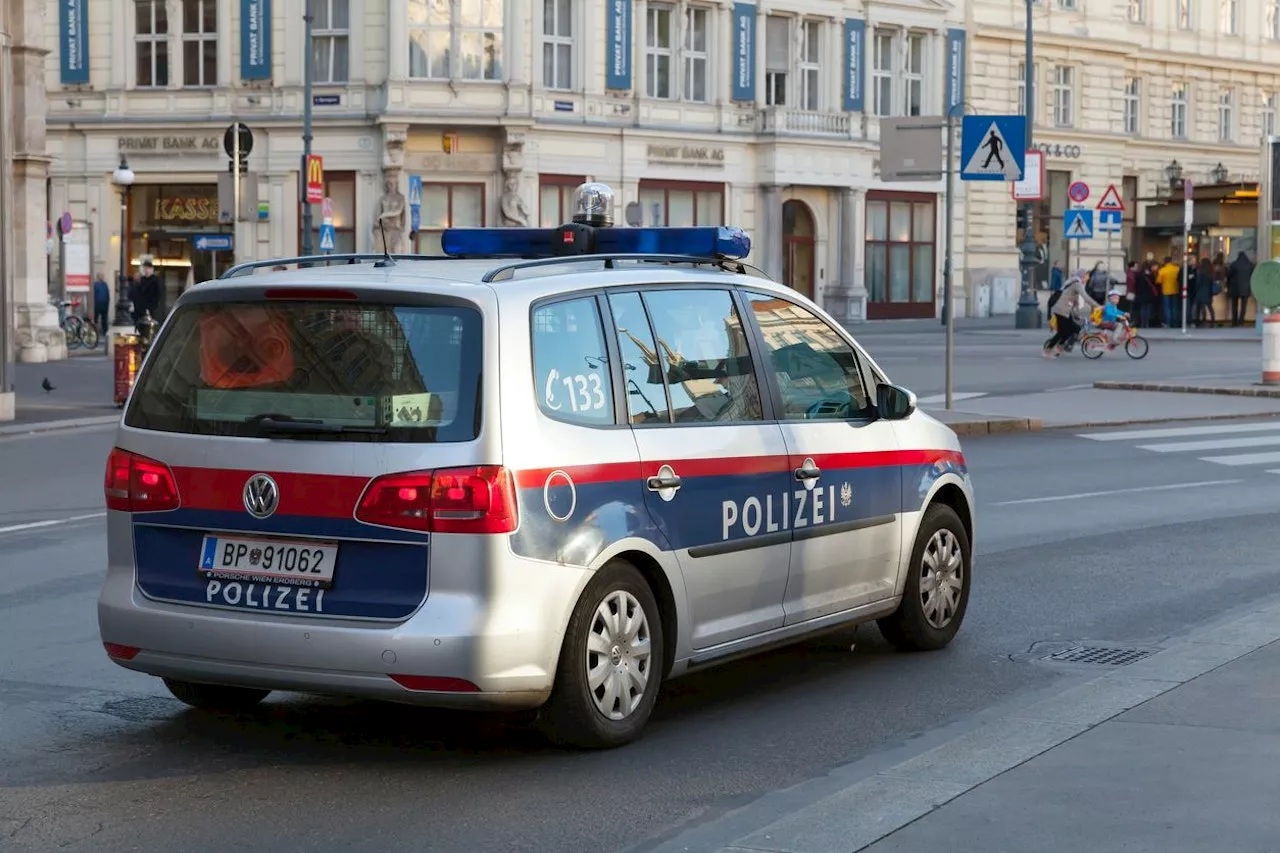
(128, 357)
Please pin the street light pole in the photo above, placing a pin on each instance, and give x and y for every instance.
(1028, 316)
(123, 178)
(308, 19)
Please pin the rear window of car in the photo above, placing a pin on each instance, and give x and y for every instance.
(315, 370)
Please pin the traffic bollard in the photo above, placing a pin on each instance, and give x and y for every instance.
(1271, 348)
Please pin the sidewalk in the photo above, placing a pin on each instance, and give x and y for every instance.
(1173, 749)
(83, 390)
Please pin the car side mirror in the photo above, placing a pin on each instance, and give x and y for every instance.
(894, 402)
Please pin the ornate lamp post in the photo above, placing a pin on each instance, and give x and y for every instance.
(1219, 174)
(1173, 174)
(123, 178)
(1028, 315)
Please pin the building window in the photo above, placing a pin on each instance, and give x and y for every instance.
(1229, 17)
(901, 266)
(777, 59)
(810, 63)
(1137, 14)
(330, 42)
(1226, 115)
(681, 203)
(1064, 95)
(199, 43)
(151, 43)
(913, 76)
(1132, 105)
(557, 44)
(444, 206)
(555, 198)
(658, 51)
(882, 73)
(341, 188)
(1269, 114)
(1022, 85)
(1184, 14)
(1070, 5)
(694, 53)
(455, 39)
(1178, 111)
(1273, 20)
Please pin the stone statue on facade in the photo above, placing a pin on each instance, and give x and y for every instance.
(389, 227)
(514, 211)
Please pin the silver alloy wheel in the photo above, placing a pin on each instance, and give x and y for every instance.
(618, 655)
(941, 578)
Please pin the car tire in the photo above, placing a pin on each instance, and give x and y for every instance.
(216, 698)
(928, 617)
(594, 703)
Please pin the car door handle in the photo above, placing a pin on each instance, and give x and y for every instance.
(808, 471)
(657, 484)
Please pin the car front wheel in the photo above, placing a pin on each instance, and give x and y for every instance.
(936, 593)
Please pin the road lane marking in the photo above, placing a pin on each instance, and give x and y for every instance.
(1078, 495)
(54, 522)
(1243, 459)
(1179, 432)
(958, 395)
(1212, 444)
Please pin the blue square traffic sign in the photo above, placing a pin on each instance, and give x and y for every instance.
(1110, 221)
(993, 148)
(1077, 224)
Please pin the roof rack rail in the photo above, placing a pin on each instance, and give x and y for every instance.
(505, 271)
(326, 260)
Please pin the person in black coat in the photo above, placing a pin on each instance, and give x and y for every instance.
(1239, 276)
(147, 293)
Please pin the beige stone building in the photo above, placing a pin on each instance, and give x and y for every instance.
(1133, 93)
(763, 115)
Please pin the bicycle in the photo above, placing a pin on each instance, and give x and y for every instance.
(1095, 341)
(80, 330)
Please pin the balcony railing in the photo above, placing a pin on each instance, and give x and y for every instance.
(781, 120)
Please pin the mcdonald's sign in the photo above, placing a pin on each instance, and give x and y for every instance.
(315, 179)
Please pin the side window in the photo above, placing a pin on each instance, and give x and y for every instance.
(646, 392)
(702, 349)
(817, 370)
(571, 363)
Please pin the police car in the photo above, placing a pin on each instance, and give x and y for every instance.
(550, 469)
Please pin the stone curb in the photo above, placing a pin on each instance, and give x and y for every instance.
(1269, 391)
(57, 426)
(1137, 421)
(979, 425)
(886, 799)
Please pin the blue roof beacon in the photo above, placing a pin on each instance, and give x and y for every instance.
(592, 233)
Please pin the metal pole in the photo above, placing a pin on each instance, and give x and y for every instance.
(235, 193)
(948, 295)
(1028, 316)
(122, 280)
(308, 18)
(7, 122)
(1185, 239)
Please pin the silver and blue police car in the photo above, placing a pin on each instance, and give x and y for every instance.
(549, 469)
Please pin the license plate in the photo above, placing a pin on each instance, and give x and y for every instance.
(289, 562)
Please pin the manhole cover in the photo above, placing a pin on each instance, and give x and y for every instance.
(1098, 655)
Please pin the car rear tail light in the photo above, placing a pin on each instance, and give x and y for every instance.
(115, 651)
(137, 484)
(435, 683)
(480, 499)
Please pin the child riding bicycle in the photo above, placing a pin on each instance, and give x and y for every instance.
(1109, 317)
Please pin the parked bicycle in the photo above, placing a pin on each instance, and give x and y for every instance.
(79, 329)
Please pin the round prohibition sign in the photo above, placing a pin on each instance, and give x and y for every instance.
(554, 479)
(1078, 192)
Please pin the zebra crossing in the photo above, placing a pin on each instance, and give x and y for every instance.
(1207, 442)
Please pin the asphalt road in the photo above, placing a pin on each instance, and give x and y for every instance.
(1078, 539)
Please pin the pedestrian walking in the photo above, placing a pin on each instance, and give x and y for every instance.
(101, 302)
(1239, 276)
(1202, 295)
(1146, 297)
(1055, 277)
(1074, 297)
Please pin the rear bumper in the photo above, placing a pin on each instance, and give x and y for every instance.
(504, 638)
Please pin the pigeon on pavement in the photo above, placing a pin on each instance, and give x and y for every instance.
(45, 384)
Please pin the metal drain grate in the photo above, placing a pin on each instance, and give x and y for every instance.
(1099, 655)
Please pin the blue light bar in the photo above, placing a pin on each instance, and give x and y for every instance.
(703, 242)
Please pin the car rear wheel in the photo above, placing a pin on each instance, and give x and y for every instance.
(610, 664)
(937, 590)
(215, 697)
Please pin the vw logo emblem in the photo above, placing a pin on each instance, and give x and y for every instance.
(261, 496)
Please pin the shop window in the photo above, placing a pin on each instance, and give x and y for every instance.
(555, 198)
(681, 203)
(447, 206)
(900, 247)
(341, 187)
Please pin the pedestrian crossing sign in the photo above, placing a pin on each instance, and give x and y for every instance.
(1077, 224)
(327, 238)
(993, 148)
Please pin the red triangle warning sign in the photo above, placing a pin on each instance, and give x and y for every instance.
(1110, 200)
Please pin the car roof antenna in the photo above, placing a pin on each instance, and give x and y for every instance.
(387, 260)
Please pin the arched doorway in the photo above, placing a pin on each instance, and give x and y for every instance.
(797, 247)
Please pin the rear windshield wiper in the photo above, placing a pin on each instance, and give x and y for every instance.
(275, 423)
